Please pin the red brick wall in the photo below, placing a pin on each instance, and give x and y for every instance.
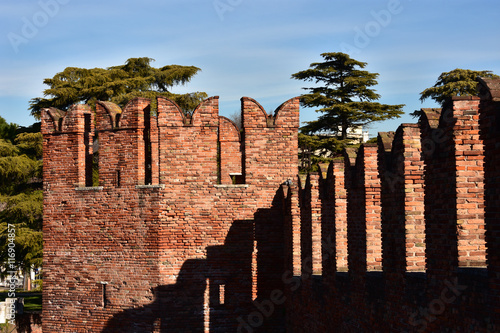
(161, 245)
(470, 183)
(364, 209)
(436, 186)
(394, 238)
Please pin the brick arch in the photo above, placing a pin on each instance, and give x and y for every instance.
(170, 113)
(253, 115)
(229, 131)
(57, 116)
(206, 113)
(107, 113)
(285, 115)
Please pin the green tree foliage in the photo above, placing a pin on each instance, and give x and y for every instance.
(458, 82)
(21, 201)
(326, 146)
(321, 148)
(7, 131)
(118, 84)
(344, 97)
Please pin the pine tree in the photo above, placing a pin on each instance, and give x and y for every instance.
(21, 201)
(118, 84)
(458, 82)
(345, 97)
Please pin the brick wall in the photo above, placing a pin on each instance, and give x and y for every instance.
(166, 242)
(422, 207)
(401, 236)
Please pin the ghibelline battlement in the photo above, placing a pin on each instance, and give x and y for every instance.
(412, 220)
(138, 145)
(398, 236)
(180, 204)
(402, 184)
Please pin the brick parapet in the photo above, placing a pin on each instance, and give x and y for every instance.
(402, 174)
(416, 205)
(189, 147)
(363, 211)
(433, 227)
(470, 183)
(165, 235)
(266, 135)
(68, 138)
(453, 156)
(403, 227)
(337, 176)
(123, 138)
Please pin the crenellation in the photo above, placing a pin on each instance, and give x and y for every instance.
(124, 130)
(197, 225)
(206, 113)
(160, 217)
(437, 228)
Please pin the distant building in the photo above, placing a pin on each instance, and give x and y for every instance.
(356, 133)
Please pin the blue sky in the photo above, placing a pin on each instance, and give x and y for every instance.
(247, 47)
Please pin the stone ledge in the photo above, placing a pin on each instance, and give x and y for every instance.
(89, 188)
(140, 187)
(231, 185)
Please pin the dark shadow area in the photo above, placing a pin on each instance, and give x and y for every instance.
(490, 134)
(26, 321)
(176, 308)
(328, 226)
(461, 306)
(356, 226)
(306, 247)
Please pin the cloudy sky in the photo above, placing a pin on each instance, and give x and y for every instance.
(247, 47)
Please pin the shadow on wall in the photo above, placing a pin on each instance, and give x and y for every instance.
(184, 300)
(216, 293)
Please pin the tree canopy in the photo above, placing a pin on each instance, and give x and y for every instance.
(21, 201)
(118, 84)
(344, 97)
(458, 82)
